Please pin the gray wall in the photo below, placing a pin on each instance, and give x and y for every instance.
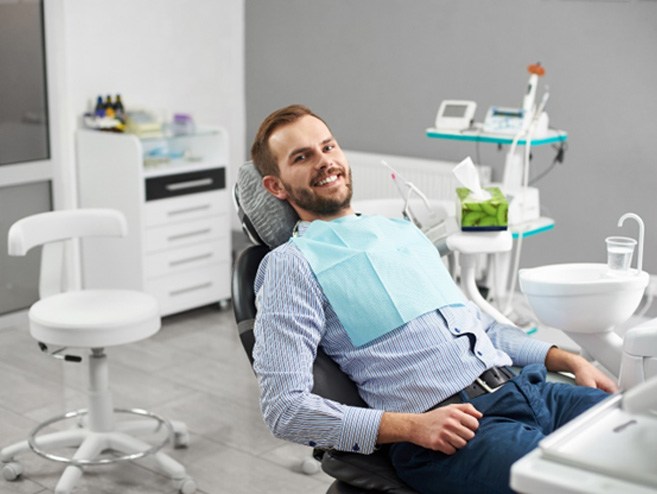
(377, 70)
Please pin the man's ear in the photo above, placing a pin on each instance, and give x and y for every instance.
(274, 187)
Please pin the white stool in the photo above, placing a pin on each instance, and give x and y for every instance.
(94, 320)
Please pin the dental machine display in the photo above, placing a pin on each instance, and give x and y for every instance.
(455, 115)
(612, 447)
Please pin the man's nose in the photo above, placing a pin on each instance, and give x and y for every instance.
(324, 161)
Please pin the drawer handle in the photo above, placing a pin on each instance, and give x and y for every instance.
(178, 262)
(205, 231)
(188, 210)
(190, 184)
(190, 289)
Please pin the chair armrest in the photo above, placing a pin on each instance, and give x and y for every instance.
(372, 472)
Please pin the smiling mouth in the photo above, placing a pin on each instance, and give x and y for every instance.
(326, 181)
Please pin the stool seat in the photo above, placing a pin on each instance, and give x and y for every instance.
(94, 318)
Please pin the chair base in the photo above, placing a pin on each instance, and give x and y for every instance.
(92, 444)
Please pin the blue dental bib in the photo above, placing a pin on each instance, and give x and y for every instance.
(378, 273)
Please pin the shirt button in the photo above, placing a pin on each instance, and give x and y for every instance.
(312, 444)
(479, 353)
(457, 330)
(355, 447)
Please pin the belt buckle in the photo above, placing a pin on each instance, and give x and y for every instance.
(484, 385)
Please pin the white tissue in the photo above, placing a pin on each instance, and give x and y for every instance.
(467, 175)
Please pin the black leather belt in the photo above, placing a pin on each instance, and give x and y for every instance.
(488, 382)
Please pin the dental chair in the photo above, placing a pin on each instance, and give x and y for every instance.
(268, 223)
(90, 320)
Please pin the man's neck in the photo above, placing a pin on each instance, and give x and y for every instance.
(307, 216)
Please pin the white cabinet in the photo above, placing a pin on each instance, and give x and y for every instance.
(173, 193)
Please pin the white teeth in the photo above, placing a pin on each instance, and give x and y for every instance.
(328, 180)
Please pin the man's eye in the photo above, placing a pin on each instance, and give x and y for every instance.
(299, 157)
(329, 147)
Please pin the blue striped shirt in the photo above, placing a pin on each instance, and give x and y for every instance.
(409, 369)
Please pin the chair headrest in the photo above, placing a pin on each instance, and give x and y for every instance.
(265, 219)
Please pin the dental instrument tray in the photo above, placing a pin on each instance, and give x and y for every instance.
(608, 440)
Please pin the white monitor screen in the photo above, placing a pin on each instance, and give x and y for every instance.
(454, 111)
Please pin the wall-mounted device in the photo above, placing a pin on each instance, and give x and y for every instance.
(455, 115)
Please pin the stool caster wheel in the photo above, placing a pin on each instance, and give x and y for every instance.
(310, 466)
(12, 470)
(187, 486)
(180, 439)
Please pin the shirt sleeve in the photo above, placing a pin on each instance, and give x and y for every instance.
(522, 348)
(289, 325)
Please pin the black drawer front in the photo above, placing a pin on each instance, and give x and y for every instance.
(185, 183)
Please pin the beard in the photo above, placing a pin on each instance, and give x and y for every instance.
(306, 199)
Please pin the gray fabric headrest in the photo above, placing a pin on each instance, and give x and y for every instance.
(272, 219)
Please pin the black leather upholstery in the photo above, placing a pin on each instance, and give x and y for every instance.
(356, 473)
(243, 296)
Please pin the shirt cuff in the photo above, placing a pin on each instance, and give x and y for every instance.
(360, 430)
(533, 352)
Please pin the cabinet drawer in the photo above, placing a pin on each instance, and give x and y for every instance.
(181, 184)
(188, 233)
(185, 258)
(185, 208)
(191, 289)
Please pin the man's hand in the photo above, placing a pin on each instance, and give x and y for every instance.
(586, 374)
(445, 429)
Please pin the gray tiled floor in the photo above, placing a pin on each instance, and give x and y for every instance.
(193, 370)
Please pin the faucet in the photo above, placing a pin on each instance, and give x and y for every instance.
(638, 219)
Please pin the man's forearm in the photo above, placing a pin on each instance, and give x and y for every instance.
(444, 429)
(586, 374)
(558, 360)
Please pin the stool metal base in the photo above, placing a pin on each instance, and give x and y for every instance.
(161, 421)
(90, 444)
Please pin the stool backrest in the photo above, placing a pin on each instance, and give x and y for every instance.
(52, 229)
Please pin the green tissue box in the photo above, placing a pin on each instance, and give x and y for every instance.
(489, 215)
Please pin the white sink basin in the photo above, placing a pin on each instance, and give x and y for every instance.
(582, 297)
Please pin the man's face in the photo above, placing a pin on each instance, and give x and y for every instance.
(314, 174)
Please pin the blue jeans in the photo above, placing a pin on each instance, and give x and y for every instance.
(515, 418)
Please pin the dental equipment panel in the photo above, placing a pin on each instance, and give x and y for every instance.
(502, 120)
(455, 115)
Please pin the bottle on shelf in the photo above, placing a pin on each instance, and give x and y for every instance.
(99, 111)
(109, 107)
(119, 111)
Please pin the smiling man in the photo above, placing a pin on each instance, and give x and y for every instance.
(315, 178)
(374, 294)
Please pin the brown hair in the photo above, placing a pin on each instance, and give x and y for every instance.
(263, 159)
